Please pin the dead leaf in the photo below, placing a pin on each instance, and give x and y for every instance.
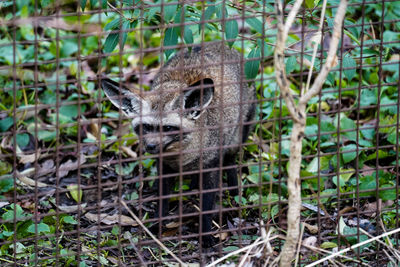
(111, 219)
(172, 225)
(129, 152)
(313, 229)
(310, 241)
(70, 165)
(30, 182)
(170, 232)
(222, 236)
(29, 158)
(94, 130)
(72, 208)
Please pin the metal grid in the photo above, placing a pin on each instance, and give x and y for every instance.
(62, 183)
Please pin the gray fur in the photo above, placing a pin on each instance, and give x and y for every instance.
(212, 123)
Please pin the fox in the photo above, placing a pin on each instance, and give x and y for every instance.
(197, 113)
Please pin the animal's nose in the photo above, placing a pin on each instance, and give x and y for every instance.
(152, 148)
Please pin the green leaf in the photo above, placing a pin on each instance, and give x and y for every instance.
(69, 111)
(251, 67)
(394, 137)
(313, 165)
(349, 156)
(188, 35)
(152, 12)
(352, 37)
(368, 133)
(328, 245)
(348, 124)
(169, 12)
(6, 123)
(22, 140)
(368, 97)
(83, 4)
(45, 3)
(75, 193)
(170, 39)
(381, 154)
(231, 31)
(69, 219)
(209, 12)
(104, 4)
(111, 42)
(342, 179)
(93, 3)
(9, 215)
(46, 135)
(387, 194)
(367, 183)
(291, 64)
(6, 184)
(125, 27)
(349, 62)
(41, 228)
(310, 3)
(221, 11)
(256, 24)
(114, 24)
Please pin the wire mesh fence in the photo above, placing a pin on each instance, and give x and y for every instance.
(152, 132)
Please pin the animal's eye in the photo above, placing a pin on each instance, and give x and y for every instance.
(146, 128)
(169, 128)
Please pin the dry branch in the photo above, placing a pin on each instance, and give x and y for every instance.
(298, 113)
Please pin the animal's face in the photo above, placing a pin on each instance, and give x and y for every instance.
(167, 117)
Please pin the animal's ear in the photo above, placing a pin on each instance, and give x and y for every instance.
(129, 102)
(197, 97)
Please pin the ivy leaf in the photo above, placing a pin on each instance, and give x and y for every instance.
(170, 39)
(6, 123)
(251, 67)
(349, 156)
(46, 135)
(231, 31)
(22, 140)
(69, 219)
(291, 64)
(41, 228)
(350, 65)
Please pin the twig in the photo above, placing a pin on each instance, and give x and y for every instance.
(321, 23)
(279, 58)
(142, 262)
(331, 59)
(118, 11)
(151, 235)
(330, 252)
(389, 245)
(298, 114)
(299, 245)
(353, 247)
(249, 247)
